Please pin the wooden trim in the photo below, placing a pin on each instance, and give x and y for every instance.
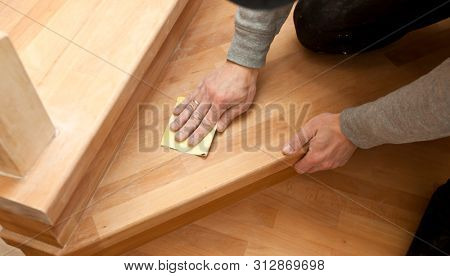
(71, 215)
(85, 88)
(186, 218)
(67, 223)
(25, 127)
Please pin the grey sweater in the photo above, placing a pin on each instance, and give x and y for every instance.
(419, 111)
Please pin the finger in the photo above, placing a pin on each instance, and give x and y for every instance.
(180, 107)
(314, 169)
(184, 116)
(299, 140)
(194, 121)
(207, 124)
(229, 115)
(305, 164)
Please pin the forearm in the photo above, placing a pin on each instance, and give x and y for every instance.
(419, 111)
(254, 32)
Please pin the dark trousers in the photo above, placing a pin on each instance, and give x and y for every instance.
(350, 26)
(433, 234)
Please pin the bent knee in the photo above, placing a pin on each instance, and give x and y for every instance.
(342, 26)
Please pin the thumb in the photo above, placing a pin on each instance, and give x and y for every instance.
(299, 140)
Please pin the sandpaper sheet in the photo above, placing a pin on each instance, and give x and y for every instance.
(201, 149)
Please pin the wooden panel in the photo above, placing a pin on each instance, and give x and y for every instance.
(369, 207)
(85, 72)
(188, 217)
(6, 250)
(25, 128)
(28, 245)
(69, 218)
(148, 186)
(71, 215)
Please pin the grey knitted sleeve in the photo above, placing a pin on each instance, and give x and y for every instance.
(254, 32)
(418, 111)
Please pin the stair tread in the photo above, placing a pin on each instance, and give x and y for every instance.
(81, 64)
(147, 185)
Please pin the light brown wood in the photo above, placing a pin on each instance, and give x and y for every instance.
(86, 63)
(71, 215)
(6, 250)
(147, 193)
(372, 206)
(144, 189)
(25, 128)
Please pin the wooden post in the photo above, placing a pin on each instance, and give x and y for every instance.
(25, 127)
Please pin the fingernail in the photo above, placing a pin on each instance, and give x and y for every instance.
(287, 149)
(220, 128)
(179, 137)
(299, 171)
(191, 141)
(173, 126)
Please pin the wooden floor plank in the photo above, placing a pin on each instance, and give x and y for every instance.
(369, 207)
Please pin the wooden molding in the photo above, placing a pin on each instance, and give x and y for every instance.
(25, 127)
(49, 237)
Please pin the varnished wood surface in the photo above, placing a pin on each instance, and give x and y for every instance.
(71, 214)
(372, 206)
(25, 128)
(330, 214)
(143, 189)
(6, 250)
(85, 59)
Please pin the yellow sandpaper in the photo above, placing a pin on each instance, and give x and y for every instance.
(201, 149)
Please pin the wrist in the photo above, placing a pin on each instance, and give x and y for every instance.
(338, 120)
(340, 127)
(241, 68)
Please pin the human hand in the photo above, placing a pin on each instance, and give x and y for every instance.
(222, 96)
(328, 147)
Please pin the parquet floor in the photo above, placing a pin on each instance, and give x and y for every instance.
(371, 206)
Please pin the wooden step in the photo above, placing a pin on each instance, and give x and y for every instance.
(85, 59)
(148, 191)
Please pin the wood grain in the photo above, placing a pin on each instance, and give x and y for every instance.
(85, 58)
(372, 206)
(147, 186)
(25, 128)
(148, 191)
(71, 215)
(6, 250)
